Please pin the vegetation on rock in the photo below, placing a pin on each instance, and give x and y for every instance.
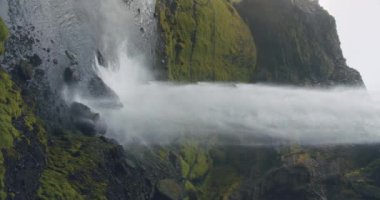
(19, 128)
(72, 168)
(205, 40)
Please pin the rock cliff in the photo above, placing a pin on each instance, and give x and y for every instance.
(297, 43)
(289, 42)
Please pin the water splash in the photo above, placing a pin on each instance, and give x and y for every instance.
(159, 111)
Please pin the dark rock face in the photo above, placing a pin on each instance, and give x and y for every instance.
(25, 164)
(104, 95)
(35, 60)
(86, 121)
(297, 43)
(24, 71)
(71, 76)
(99, 89)
(287, 184)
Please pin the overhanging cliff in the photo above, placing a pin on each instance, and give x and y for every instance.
(297, 43)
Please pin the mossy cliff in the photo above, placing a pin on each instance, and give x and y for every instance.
(297, 43)
(36, 164)
(204, 40)
(22, 143)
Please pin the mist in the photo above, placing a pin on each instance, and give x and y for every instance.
(156, 112)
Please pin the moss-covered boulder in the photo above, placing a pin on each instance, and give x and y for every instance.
(204, 40)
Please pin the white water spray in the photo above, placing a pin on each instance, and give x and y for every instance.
(158, 112)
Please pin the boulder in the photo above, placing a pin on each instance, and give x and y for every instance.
(86, 121)
(71, 76)
(104, 95)
(35, 60)
(24, 70)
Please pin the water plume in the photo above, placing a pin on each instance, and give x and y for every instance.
(157, 112)
(161, 111)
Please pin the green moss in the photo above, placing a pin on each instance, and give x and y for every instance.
(163, 153)
(185, 168)
(13, 108)
(170, 188)
(10, 108)
(201, 165)
(72, 162)
(3, 35)
(220, 183)
(55, 186)
(205, 41)
(194, 161)
(73, 169)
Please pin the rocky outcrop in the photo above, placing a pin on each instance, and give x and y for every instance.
(204, 40)
(297, 43)
(86, 121)
(37, 164)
